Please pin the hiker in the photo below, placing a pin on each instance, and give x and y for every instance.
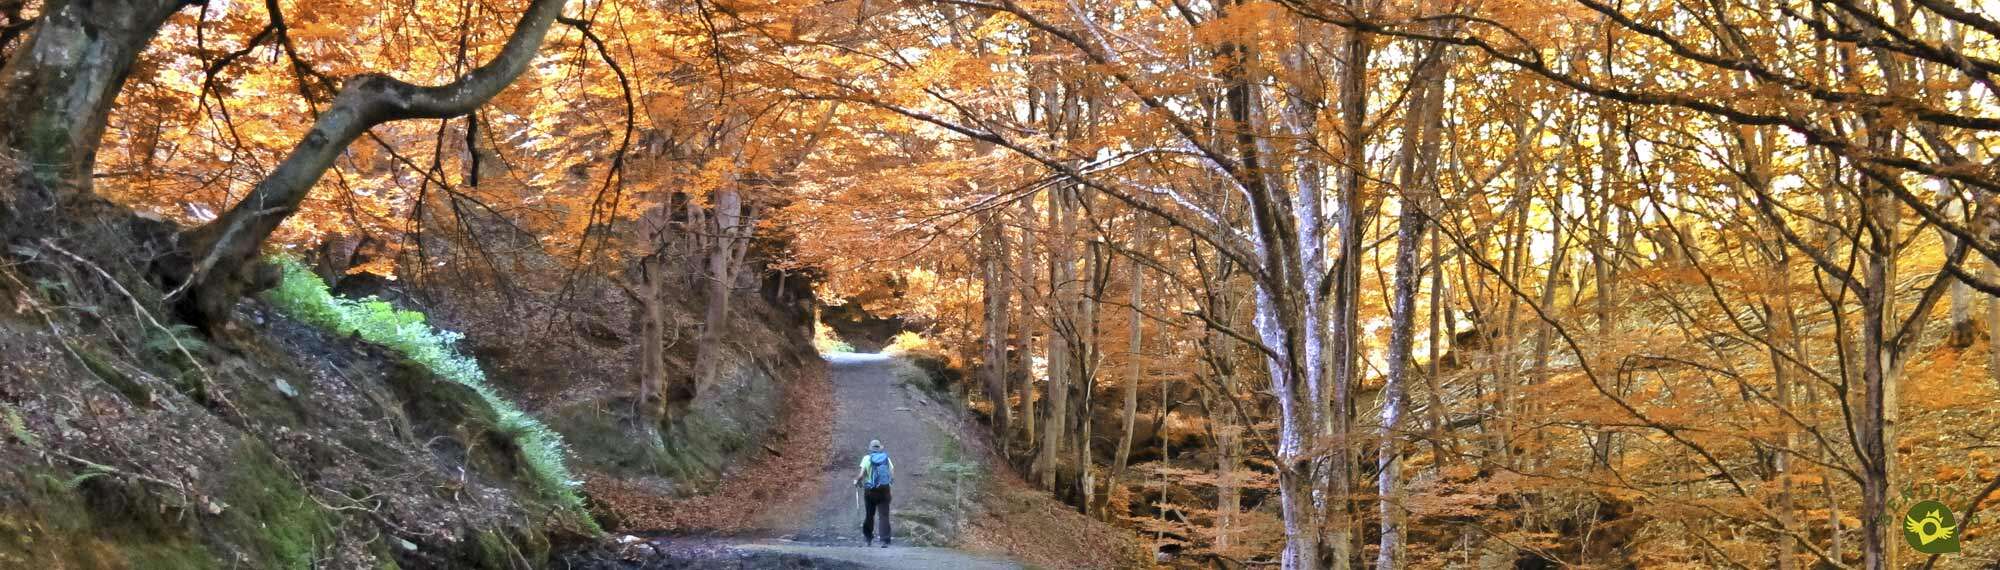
(876, 473)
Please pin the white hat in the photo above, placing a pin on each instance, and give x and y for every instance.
(874, 445)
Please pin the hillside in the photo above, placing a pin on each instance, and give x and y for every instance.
(134, 441)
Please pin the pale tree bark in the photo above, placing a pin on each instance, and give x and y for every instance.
(726, 246)
(1061, 281)
(1882, 370)
(1604, 254)
(1513, 261)
(1418, 163)
(998, 289)
(1755, 145)
(1137, 370)
(1024, 353)
(1389, 459)
(229, 243)
(1086, 359)
(1440, 321)
(1881, 375)
(1218, 301)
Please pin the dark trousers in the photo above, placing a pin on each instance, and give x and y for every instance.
(877, 499)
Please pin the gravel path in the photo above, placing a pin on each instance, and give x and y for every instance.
(824, 531)
(873, 404)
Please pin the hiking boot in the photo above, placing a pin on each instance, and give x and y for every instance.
(885, 543)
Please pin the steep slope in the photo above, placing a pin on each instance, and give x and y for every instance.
(135, 442)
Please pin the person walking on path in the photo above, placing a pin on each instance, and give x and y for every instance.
(877, 471)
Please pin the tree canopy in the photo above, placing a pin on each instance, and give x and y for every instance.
(1591, 282)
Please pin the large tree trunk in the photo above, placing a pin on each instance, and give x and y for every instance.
(57, 88)
(723, 262)
(226, 245)
(662, 233)
(652, 341)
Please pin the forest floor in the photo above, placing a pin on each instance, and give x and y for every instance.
(954, 507)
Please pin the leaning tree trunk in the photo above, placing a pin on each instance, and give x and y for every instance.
(229, 243)
(58, 87)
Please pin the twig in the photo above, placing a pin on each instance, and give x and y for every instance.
(107, 469)
(208, 381)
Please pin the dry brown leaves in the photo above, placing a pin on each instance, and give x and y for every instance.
(737, 506)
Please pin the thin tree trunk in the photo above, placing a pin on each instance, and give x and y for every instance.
(1086, 373)
(1061, 325)
(1345, 330)
(1992, 274)
(999, 288)
(1137, 363)
(1024, 352)
(1416, 177)
(1389, 458)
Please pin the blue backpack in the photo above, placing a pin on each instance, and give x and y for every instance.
(878, 470)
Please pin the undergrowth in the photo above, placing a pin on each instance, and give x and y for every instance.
(827, 342)
(304, 296)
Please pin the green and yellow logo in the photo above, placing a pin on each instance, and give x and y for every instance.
(1929, 528)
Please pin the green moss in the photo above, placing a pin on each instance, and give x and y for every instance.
(692, 449)
(499, 550)
(490, 550)
(46, 522)
(609, 442)
(269, 513)
(101, 367)
(91, 520)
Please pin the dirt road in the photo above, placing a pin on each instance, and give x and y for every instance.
(875, 405)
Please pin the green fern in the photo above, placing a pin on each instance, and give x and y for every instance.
(301, 294)
(74, 482)
(18, 426)
(173, 339)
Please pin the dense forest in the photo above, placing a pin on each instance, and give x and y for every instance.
(1297, 283)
